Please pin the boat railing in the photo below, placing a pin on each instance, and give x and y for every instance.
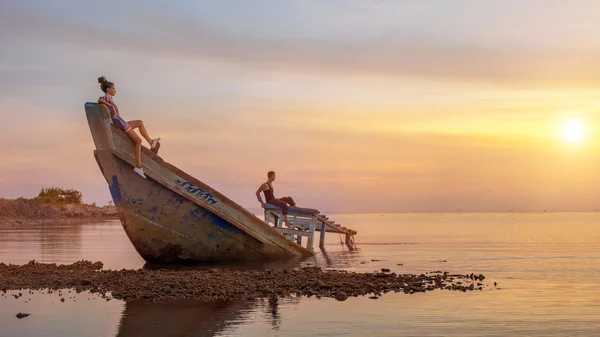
(304, 223)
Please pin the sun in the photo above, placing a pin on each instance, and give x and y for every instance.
(573, 131)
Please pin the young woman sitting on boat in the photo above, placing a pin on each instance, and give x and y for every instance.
(110, 90)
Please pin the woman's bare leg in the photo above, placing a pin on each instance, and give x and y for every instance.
(137, 145)
(138, 124)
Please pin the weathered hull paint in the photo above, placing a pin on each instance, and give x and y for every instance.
(173, 217)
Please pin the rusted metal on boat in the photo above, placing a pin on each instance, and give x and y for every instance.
(173, 217)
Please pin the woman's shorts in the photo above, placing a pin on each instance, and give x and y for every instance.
(121, 123)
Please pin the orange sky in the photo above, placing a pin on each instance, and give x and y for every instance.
(352, 120)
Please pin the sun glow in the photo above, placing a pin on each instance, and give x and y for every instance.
(573, 131)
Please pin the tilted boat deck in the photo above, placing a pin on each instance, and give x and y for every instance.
(173, 217)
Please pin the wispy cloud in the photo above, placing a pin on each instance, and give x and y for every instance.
(419, 53)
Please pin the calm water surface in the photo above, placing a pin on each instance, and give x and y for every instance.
(546, 265)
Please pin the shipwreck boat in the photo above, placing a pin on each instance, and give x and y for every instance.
(172, 217)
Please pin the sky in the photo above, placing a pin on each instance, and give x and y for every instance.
(359, 106)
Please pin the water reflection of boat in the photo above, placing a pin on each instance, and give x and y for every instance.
(171, 216)
(194, 318)
(181, 318)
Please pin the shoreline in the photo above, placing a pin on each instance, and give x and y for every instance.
(31, 212)
(214, 284)
(78, 220)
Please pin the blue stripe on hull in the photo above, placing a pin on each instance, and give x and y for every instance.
(115, 192)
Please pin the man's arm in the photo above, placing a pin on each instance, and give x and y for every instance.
(260, 189)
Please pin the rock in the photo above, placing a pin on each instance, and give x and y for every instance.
(373, 297)
(62, 299)
(341, 296)
(382, 275)
(385, 270)
(22, 315)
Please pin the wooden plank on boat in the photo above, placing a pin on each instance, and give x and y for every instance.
(329, 229)
(160, 180)
(292, 231)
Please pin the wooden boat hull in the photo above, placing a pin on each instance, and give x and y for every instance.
(173, 217)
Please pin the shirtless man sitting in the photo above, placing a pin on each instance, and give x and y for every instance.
(269, 192)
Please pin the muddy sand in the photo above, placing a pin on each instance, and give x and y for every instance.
(223, 284)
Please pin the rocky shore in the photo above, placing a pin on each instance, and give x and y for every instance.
(20, 212)
(223, 284)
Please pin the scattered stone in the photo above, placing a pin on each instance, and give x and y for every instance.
(373, 297)
(342, 296)
(218, 284)
(22, 315)
(380, 275)
(400, 264)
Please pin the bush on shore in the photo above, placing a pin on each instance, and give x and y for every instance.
(60, 196)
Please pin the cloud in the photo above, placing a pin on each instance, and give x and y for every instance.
(419, 54)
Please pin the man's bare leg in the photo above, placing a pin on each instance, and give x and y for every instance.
(290, 201)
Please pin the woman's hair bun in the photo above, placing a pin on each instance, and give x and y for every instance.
(102, 79)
